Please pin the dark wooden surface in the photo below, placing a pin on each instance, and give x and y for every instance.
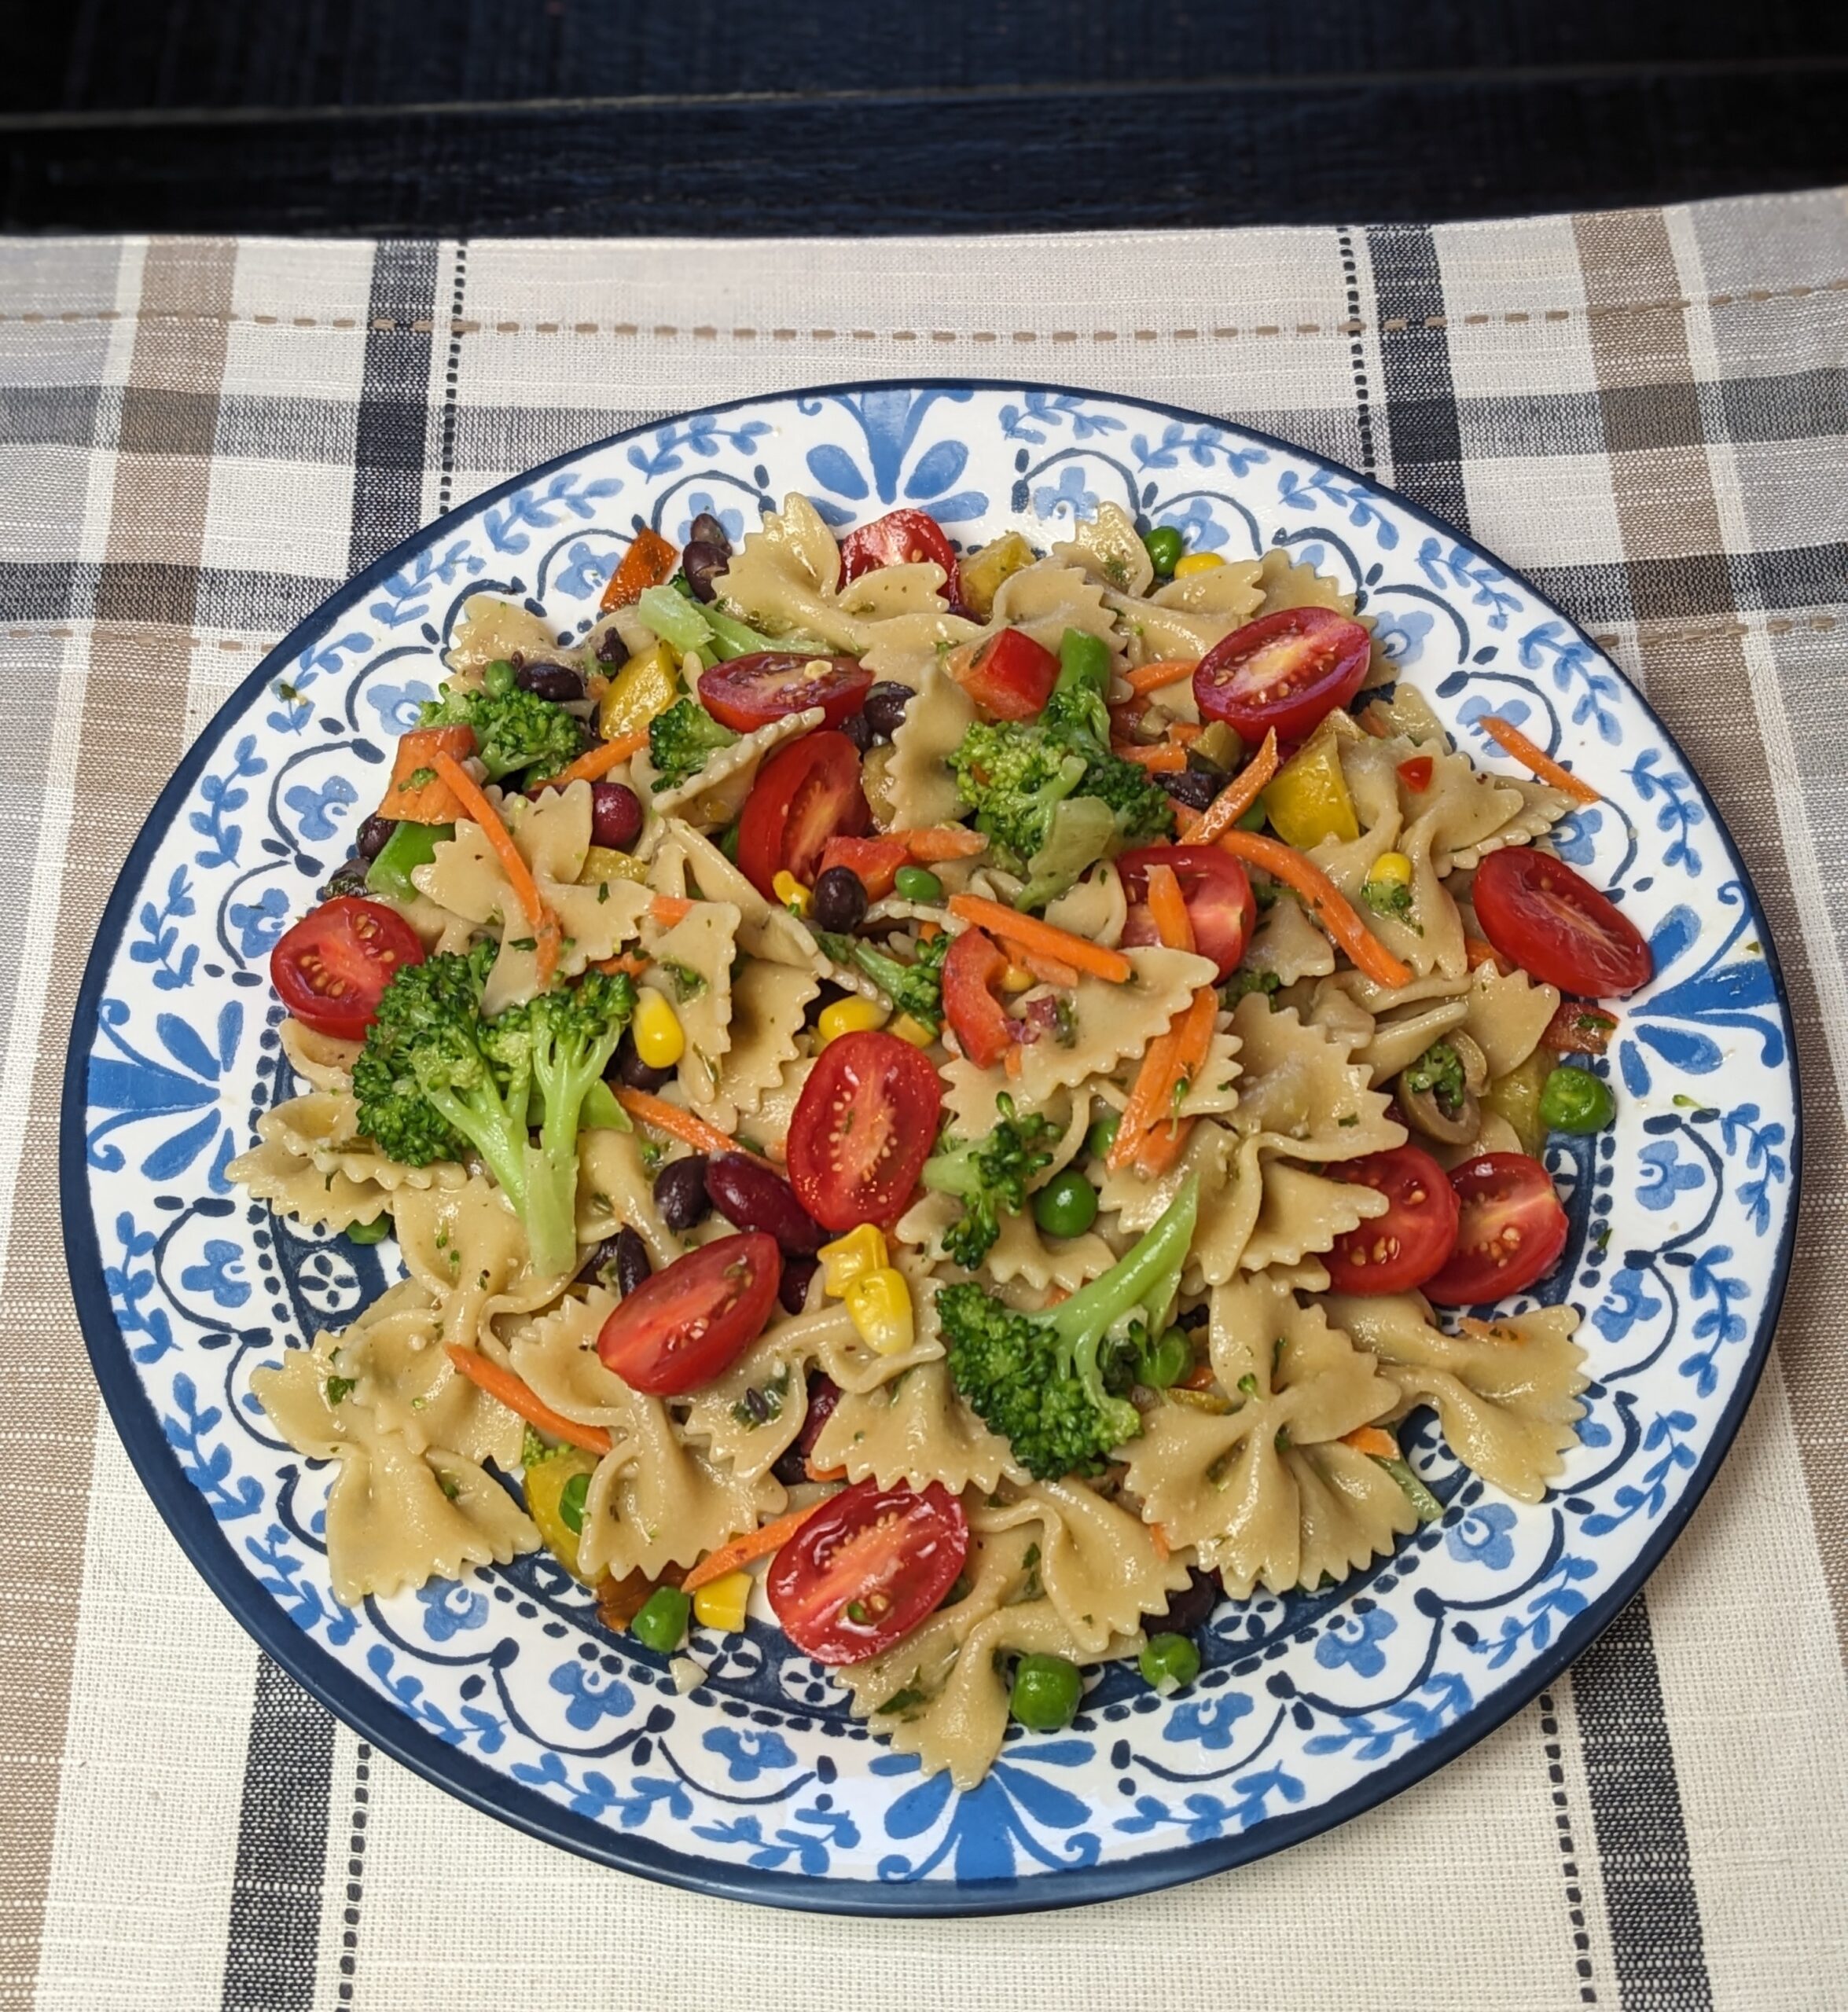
(554, 117)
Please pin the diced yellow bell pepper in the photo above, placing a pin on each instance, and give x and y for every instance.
(982, 572)
(907, 1027)
(546, 1480)
(1516, 1097)
(646, 685)
(879, 1303)
(1394, 868)
(1308, 800)
(659, 1039)
(605, 863)
(721, 1604)
(852, 1015)
(1196, 562)
(852, 1257)
(791, 892)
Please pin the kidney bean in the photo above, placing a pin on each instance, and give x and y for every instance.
(791, 1468)
(702, 564)
(680, 1192)
(750, 1196)
(373, 834)
(559, 682)
(705, 529)
(1193, 787)
(793, 1290)
(839, 902)
(1190, 1609)
(633, 1072)
(883, 708)
(615, 815)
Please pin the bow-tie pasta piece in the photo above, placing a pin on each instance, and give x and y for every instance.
(468, 1247)
(753, 1414)
(1290, 583)
(913, 1427)
(295, 1188)
(916, 787)
(1047, 598)
(1287, 944)
(690, 965)
(556, 1355)
(615, 1189)
(322, 1128)
(1182, 621)
(1109, 548)
(492, 630)
(765, 928)
(1507, 1015)
(322, 1062)
(1297, 1085)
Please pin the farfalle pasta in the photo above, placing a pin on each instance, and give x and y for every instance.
(1002, 1069)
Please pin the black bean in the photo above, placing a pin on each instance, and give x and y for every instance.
(705, 529)
(794, 1291)
(633, 1072)
(559, 682)
(1191, 1608)
(347, 877)
(1195, 1316)
(615, 815)
(1193, 787)
(884, 707)
(750, 1196)
(679, 1193)
(839, 901)
(855, 727)
(373, 834)
(702, 564)
(633, 1268)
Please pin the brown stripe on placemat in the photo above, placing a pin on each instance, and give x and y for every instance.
(134, 710)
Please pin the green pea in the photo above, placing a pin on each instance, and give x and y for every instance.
(375, 1232)
(1102, 1135)
(918, 883)
(1165, 545)
(1575, 1100)
(1168, 1661)
(1169, 1359)
(571, 1501)
(498, 679)
(1067, 1206)
(662, 1622)
(1047, 1690)
(1254, 819)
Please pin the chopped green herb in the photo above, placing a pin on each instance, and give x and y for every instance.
(1392, 898)
(340, 1388)
(1439, 1070)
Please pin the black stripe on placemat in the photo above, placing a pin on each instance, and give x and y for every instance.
(275, 1927)
(1650, 1902)
(1556, 1776)
(394, 416)
(1420, 394)
(1357, 349)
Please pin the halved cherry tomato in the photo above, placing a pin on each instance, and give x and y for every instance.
(805, 794)
(972, 969)
(1010, 677)
(332, 969)
(1411, 1242)
(866, 1568)
(864, 1126)
(1287, 671)
(689, 1323)
(1556, 926)
(1220, 903)
(875, 861)
(769, 684)
(1417, 773)
(900, 538)
(1510, 1232)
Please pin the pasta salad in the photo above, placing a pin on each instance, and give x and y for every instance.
(953, 1100)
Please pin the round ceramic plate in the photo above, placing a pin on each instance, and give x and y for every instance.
(502, 1688)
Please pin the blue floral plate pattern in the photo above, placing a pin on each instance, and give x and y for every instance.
(502, 1689)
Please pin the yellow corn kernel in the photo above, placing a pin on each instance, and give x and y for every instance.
(647, 683)
(909, 1028)
(790, 892)
(721, 1604)
(880, 1304)
(1196, 562)
(852, 1257)
(659, 1040)
(1016, 977)
(1393, 868)
(849, 1016)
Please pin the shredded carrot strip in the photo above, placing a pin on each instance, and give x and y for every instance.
(648, 562)
(1043, 937)
(823, 1473)
(1153, 677)
(1199, 1378)
(1370, 1439)
(1478, 952)
(753, 1544)
(667, 909)
(631, 962)
(1153, 1080)
(1162, 759)
(1158, 1537)
(526, 889)
(599, 762)
(1012, 1062)
(521, 1399)
(1184, 734)
(1487, 1331)
(1048, 971)
(1167, 909)
(677, 1124)
(1325, 900)
(1512, 741)
(1166, 1137)
(1202, 827)
(932, 842)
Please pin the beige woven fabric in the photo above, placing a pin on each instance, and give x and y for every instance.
(1647, 412)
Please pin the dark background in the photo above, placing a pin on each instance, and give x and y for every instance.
(561, 116)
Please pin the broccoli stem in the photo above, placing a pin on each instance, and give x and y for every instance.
(1147, 1276)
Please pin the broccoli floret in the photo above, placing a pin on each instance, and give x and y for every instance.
(1046, 1379)
(988, 1177)
(514, 730)
(437, 1078)
(1018, 774)
(680, 740)
(915, 988)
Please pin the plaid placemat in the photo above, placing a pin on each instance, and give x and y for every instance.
(1647, 412)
